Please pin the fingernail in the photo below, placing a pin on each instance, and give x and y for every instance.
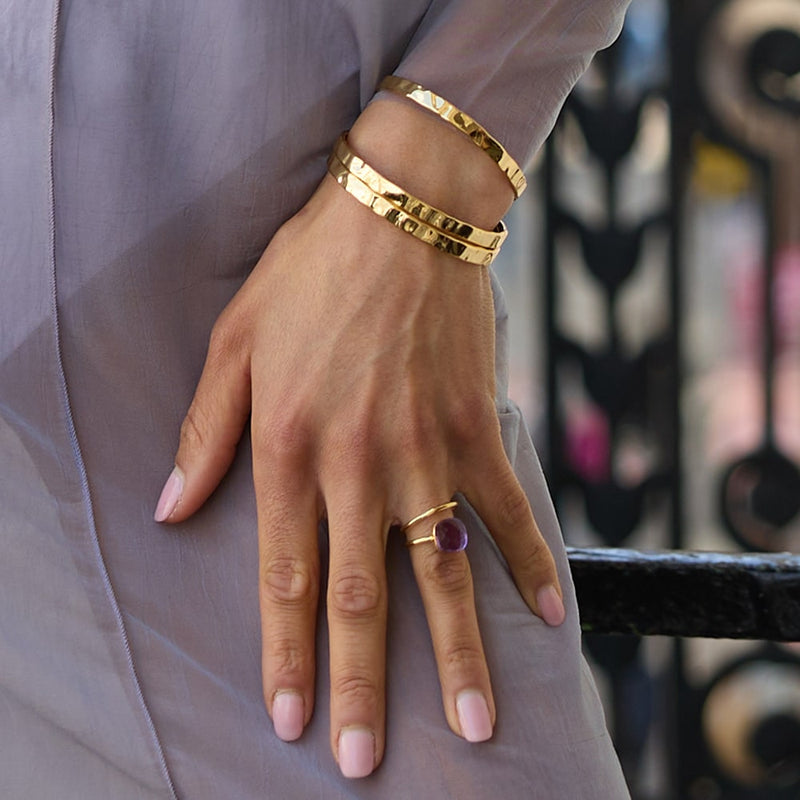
(170, 496)
(551, 607)
(356, 752)
(473, 716)
(288, 715)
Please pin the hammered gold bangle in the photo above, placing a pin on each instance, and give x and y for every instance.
(354, 186)
(452, 226)
(463, 122)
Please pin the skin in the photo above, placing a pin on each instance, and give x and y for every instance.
(365, 360)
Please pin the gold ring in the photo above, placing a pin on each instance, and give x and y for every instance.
(425, 514)
(449, 535)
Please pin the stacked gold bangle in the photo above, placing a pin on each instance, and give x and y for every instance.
(407, 212)
(354, 186)
(400, 198)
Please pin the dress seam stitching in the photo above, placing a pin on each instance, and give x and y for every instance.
(77, 454)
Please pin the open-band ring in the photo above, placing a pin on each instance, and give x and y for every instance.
(429, 513)
(449, 535)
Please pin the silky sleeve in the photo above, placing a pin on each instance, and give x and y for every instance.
(510, 64)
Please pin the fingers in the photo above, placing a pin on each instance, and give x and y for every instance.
(211, 429)
(503, 506)
(357, 603)
(288, 593)
(445, 583)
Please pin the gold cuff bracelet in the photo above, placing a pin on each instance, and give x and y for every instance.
(452, 226)
(463, 122)
(354, 186)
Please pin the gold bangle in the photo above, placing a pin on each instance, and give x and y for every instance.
(354, 186)
(452, 226)
(463, 122)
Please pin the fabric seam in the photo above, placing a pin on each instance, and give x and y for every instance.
(77, 454)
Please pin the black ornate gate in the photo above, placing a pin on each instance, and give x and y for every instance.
(714, 86)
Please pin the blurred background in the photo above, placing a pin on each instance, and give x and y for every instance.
(653, 279)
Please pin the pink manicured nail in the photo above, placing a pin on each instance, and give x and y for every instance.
(356, 752)
(551, 606)
(170, 496)
(473, 716)
(288, 715)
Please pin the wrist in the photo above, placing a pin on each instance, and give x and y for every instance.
(413, 148)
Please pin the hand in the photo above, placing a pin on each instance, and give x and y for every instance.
(367, 360)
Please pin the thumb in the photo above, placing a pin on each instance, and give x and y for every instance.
(209, 434)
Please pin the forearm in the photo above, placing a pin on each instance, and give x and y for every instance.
(511, 63)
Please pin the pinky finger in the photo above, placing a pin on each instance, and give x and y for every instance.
(504, 507)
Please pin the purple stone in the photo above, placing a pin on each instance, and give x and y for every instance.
(450, 535)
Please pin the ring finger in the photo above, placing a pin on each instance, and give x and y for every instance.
(445, 584)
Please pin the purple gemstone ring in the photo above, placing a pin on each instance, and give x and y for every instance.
(449, 535)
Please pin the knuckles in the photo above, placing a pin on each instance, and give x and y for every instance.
(515, 524)
(355, 593)
(225, 366)
(449, 573)
(288, 581)
(365, 435)
(461, 657)
(228, 339)
(353, 689)
(195, 429)
(512, 506)
(470, 417)
(418, 429)
(535, 559)
(424, 431)
(283, 436)
(352, 444)
(286, 659)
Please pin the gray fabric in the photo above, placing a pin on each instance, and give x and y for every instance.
(148, 151)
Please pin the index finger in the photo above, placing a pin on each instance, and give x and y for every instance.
(288, 587)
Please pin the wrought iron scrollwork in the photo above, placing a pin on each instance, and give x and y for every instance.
(733, 77)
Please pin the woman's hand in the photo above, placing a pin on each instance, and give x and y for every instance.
(366, 359)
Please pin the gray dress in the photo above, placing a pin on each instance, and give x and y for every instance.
(149, 149)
